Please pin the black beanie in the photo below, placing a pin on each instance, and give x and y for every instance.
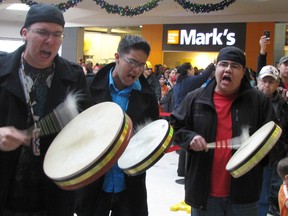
(43, 13)
(232, 53)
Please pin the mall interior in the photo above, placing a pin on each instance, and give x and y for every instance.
(176, 35)
(92, 33)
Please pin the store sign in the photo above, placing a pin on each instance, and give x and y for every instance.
(203, 37)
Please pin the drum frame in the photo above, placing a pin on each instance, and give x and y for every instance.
(252, 160)
(99, 167)
(153, 157)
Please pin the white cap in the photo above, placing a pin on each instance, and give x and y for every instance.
(269, 70)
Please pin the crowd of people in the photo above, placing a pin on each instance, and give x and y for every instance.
(203, 106)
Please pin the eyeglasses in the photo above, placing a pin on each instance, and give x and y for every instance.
(134, 63)
(233, 66)
(46, 34)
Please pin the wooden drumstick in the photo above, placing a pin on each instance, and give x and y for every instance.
(233, 143)
(225, 144)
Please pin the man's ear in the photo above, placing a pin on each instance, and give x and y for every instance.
(24, 33)
(117, 57)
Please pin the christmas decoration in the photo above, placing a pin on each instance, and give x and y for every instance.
(134, 11)
(204, 8)
(127, 11)
(62, 6)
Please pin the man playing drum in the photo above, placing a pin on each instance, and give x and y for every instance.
(34, 80)
(123, 83)
(218, 112)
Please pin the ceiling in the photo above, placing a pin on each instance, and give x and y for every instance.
(88, 14)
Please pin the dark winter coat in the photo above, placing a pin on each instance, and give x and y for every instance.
(14, 112)
(197, 115)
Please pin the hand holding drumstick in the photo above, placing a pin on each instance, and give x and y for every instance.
(11, 138)
(198, 143)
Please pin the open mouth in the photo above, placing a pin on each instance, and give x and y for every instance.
(45, 54)
(226, 79)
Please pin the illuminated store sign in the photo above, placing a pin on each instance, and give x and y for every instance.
(203, 37)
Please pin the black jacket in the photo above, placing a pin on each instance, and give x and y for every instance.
(197, 115)
(14, 112)
(143, 107)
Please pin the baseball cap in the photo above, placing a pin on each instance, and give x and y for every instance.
(269, 70)
(283, 59)
(232, 53)
(43, 13)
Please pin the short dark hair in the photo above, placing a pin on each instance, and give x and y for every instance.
(282, 167)
(183, 69)
(133, 42)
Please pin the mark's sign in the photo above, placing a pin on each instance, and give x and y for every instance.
(203, 37)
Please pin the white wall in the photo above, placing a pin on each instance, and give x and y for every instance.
(101, 46)
(10, 30)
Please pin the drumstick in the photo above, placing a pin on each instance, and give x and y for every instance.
(233, 143)
(230, 143)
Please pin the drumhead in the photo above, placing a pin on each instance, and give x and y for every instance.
(146, 147)
(80, 149)
(254, 149)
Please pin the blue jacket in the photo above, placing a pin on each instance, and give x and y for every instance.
(187, 84)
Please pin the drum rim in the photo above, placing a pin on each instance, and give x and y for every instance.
(261, 152)
(87, 175)
(48, 155)
(153, 157)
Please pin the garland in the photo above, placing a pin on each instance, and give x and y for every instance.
(204, 8)
(62, 6)
(134, 11)
(127, 11)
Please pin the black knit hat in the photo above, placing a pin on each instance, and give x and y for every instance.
(232, 53)
(43, 13)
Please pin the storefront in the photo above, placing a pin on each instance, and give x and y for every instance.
(199, 44)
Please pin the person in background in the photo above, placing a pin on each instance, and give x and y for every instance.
(34, 79)
(89, 67)
(282, 170)
(171, 78)
(123, 83)
(268, 82)
(153, 81)
(214, 113)
(184, 84)
(163, 86)
(196, 71)
(282, 66)
(96, 68)
(283, 69)
(157, 71)
(166, 100)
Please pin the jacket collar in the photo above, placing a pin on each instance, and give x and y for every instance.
(9, 75)
(103, 73)
(208, 91)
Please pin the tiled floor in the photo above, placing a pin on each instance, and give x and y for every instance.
(163, 192)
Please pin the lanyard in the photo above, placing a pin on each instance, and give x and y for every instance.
(27, 86)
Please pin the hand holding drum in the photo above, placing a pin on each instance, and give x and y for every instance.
(88, 146)
(253, 150)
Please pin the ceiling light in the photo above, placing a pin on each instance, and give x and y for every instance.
(17, 6)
